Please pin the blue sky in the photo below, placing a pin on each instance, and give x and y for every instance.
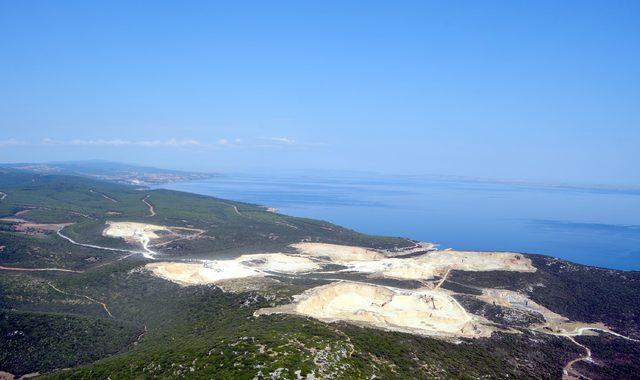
(537, 90)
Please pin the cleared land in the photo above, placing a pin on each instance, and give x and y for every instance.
(422, 311)
(200, 273)
(338, 253)
(218, 271)
(427, 311)
(494, 315)
(143, 234)
(422, 267)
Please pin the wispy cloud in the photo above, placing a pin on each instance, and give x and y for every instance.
(121, 142)
(286, 142)
(10, 142)
(220, 143)
(281, 140)
(253, 142)
(230, 143)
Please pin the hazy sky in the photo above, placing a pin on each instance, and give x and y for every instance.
(509, 89)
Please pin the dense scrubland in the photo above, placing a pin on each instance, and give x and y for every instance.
(105, 316)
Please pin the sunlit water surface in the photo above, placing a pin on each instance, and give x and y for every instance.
(598, 227)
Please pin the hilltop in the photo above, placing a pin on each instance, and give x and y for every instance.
(105, 279)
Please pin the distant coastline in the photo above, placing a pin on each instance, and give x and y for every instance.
(462, 214)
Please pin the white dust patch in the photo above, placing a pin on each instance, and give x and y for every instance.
(133, 232)
(425, 312)
(338, 254)
(515, 300)
(401, 269)
(210, 272)
(279, 263)
(477, 261)
(422, 267)
(243, 267)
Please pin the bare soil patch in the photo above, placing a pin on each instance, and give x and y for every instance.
(422, 311)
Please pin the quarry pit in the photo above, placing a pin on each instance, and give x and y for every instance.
(428, 310)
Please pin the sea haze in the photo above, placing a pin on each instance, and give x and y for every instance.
(588, 225)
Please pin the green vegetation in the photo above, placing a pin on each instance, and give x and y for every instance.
(579, 292)
(36, 341)
(111, 319)
(616, 358)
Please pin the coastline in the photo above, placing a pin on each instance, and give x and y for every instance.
(451, 227)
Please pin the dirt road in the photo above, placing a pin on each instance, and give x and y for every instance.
(152, 211)
(59, 232)
(104, 305)
(444, 278)
(105, 196)
(568, 373)
(40, 269)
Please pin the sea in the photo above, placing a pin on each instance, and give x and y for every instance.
(592, 225)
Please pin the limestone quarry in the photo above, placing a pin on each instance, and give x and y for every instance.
(140, 233)
(428, 310)
(279, 263)
(143, 234)
(132, 231)
(415, 311)
(422, 267)
(338, 253)
(218, 271)
(201, 273)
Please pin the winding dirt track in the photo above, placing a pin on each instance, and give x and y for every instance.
(152, 211)
(105, 196)
(40, 269)
(568, 373)
(235, 209)
(288, 225)
(70, 240)
(104, 305)
(583, 329)
(444, 278)
(59, 232)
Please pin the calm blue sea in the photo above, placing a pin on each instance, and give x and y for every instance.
(593, 226)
